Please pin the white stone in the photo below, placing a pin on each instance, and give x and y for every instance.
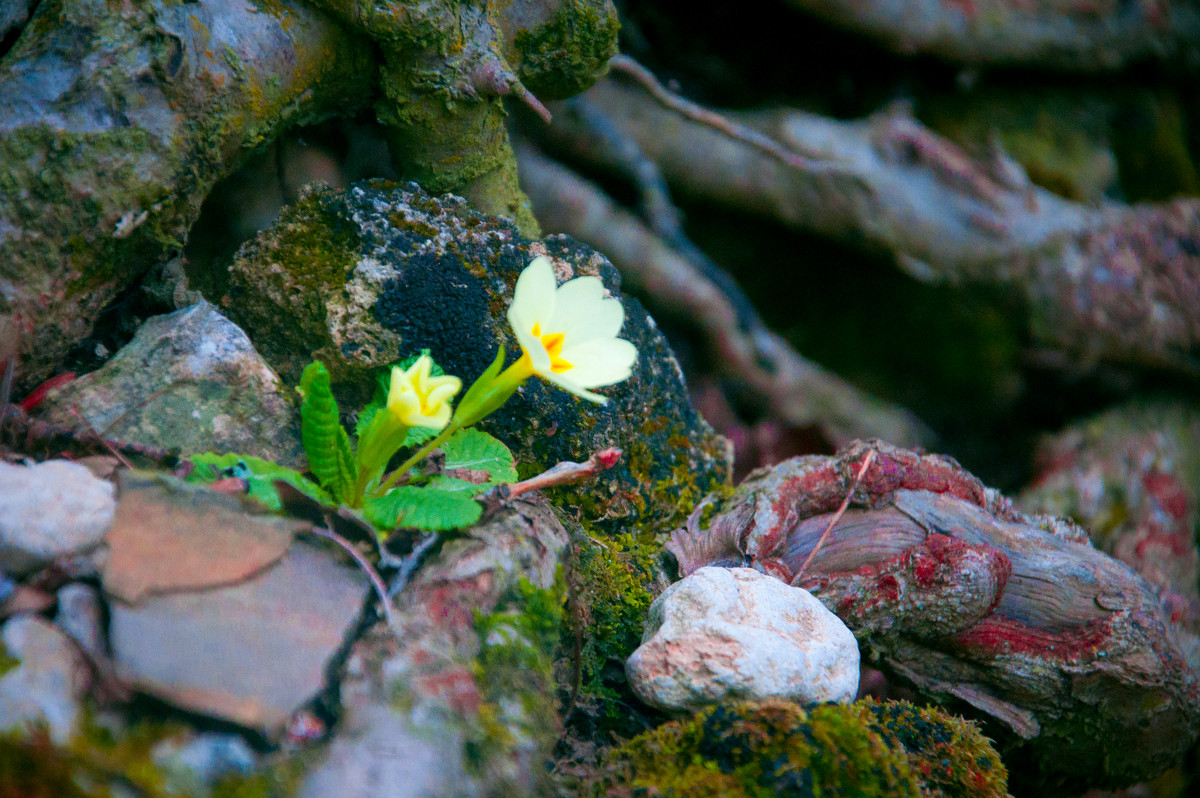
(736, 633)
(49, 510)
(48, 684)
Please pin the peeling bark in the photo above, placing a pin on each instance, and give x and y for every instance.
(1132, 476)
(955, 592)
(1116, 284)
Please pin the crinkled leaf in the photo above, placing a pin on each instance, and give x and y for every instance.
(258, 473)
(479, 458)
(327, 445)
(444, 503)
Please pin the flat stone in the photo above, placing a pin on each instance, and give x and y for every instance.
(191, 380)
(50, 510)
(48, 681)
(251, 653)
(725, 633)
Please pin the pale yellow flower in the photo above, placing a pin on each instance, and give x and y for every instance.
(569, 332)
(418, 399)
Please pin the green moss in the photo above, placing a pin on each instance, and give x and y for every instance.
(949, 755)
(612, 586)
(760, 749)
(7, 661)
(34, 768)
(103, 760)
(308, 255)
(569, 53)
(516, 660)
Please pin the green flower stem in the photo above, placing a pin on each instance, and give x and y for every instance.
(417, 457)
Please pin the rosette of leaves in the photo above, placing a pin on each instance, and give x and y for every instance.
(437, 495)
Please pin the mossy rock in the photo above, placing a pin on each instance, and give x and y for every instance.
(364, 277)
(777, 748)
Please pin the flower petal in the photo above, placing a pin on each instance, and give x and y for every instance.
(574, 297)
(571, 387)
(600, 361)
(533, 297)
(601, 319)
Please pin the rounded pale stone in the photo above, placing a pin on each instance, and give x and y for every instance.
(736, 633)
(47, 684)
(49, 510)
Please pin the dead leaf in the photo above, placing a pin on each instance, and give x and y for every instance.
(168, 536)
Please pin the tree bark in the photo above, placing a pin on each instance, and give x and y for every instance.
(115, 124)
(1014, 618)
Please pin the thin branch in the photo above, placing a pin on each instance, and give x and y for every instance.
(563, 473)
(408, 565)
(373, 575)
(870, 458)
(797, 157)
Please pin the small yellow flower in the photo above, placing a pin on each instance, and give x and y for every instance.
(418, 399)
(569, 332)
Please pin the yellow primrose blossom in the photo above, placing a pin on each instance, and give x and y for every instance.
(418, 399)
(569, 332)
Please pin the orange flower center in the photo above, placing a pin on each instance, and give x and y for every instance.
(553, 343)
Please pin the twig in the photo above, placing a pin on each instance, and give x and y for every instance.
(376, 581)
(870, 458)
(624, 65)
(532, 102)
(103, 442)
(563, 473)
(409, 564)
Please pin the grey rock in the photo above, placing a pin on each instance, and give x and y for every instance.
(81, 615)
(49, 682)
(251, 653)
(724, 633)
(50, 510)
(414, 696)
(13, 14)
(189, 380)
(364, 277)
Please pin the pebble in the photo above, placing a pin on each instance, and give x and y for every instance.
(47, 683)
(724, 633)
(50, 510)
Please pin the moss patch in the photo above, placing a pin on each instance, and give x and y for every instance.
(760, 749)
(949, 755)
(613, 583)
(517, 646)
(569, 53)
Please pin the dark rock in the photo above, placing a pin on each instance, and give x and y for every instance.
(361, 278)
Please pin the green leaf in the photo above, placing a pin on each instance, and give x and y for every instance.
(434, 371)
(479, 458)
(445, 503)
(327, 445)
(258, 473)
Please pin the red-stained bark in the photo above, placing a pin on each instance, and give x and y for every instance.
(951, 589)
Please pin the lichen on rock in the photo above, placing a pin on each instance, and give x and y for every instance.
(362, 278)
